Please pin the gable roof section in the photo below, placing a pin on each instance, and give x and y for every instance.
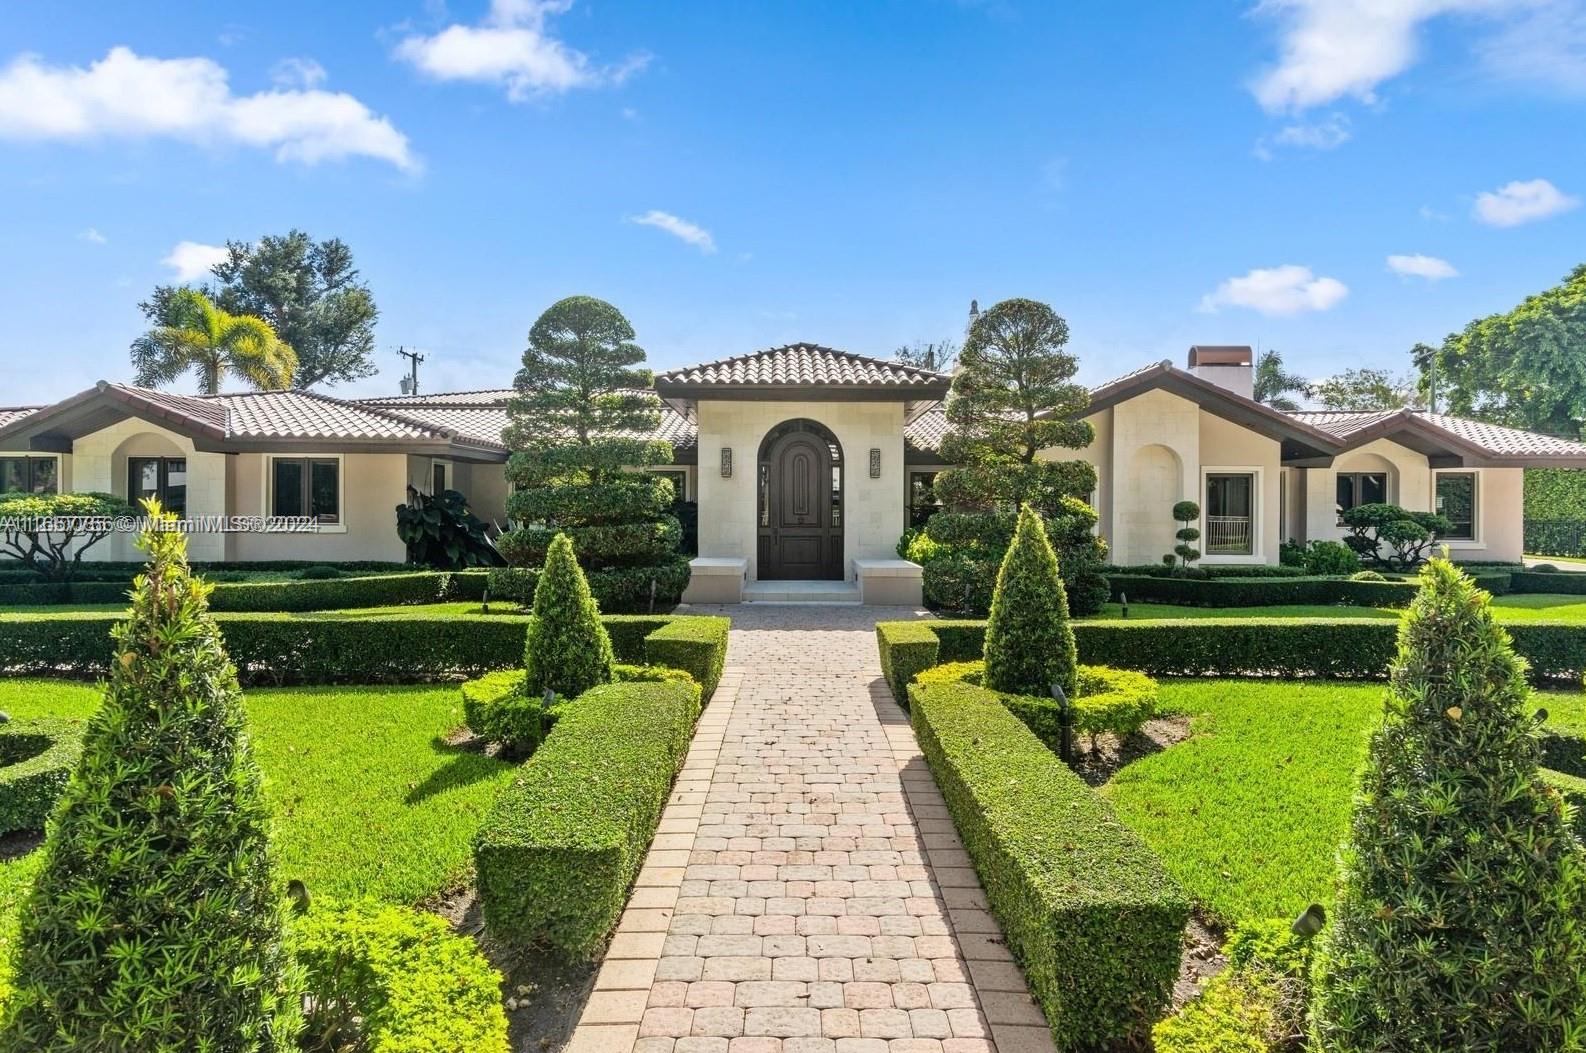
(11, 414)
(1449, 441)
(803, 371)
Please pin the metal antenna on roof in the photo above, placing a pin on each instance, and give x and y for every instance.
(410, 383)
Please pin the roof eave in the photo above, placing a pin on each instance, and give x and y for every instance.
(693, 392)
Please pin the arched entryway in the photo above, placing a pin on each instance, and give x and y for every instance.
(800, 495)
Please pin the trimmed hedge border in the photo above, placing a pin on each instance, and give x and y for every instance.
(1272, 592)
(1116, 701)
(281, 649)
(322, 594)
(1559, 583)
(1351, 649)
(1088, 910)
(563, 842)
(36, 759)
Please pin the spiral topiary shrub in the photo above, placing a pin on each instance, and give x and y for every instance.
(36, 757)
(1029, 645)
(567, 649)
(155, 922)
(1460, 917)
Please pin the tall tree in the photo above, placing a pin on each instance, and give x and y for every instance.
(1366, 389)
(578, 423)
(1525, 368)
(309, 292)
(939, 356)
(1274, 384)
(197, 335)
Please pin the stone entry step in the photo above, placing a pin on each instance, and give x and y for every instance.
(802, 592)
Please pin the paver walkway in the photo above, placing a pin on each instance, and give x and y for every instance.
(806, 892)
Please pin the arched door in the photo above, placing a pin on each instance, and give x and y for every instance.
(800, 497)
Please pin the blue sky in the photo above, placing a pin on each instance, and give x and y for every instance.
(736, 176)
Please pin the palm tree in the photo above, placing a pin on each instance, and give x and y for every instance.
(1273, 383)
(198, 335)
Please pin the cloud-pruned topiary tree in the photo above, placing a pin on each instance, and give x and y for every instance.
(1029, 643)
(568, 650)
(579, 424)
(1460, 917)
(155, 922)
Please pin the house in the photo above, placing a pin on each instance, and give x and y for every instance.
(806, 463)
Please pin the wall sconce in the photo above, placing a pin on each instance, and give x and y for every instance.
(875, 463)
(726, 462)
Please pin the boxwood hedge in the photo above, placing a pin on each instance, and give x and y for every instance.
(1108, 701)
(375, 590)
(36, 759)
(563, 842)
(331, 649)
(1088, 910)
(1271, 592)
(1282, 647)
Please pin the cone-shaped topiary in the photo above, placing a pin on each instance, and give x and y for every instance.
(1460, 922)
(1029, 644)
(156, 923)
(568, 650)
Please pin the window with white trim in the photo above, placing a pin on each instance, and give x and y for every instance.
(306, 486)
(162, 479)
(1230, 514)
(1455, 500)
(29, 475)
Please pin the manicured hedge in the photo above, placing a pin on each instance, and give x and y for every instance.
(1212, 570)
(1088, 910)
(1352, 648)
(1109, 701)
(1573, 789)
(1561, 583)
(624, 589)
(332, 649)
(1564, 749)
(380, 590)
(1271, 592)
(36, 759)
(563, 842)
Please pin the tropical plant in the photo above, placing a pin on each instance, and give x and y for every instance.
(155, 922)
(440, 530)
(193, 334)
(1029, 644)
(1273, 384)
(309, 292)
(51, 532)
(1186, 512)
(1460, 917)
(567, 650)
(576, 428)
(1408, 535)
(1322, 557)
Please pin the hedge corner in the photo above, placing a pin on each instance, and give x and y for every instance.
(696, 644)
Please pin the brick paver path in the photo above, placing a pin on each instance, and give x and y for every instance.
(807, 892)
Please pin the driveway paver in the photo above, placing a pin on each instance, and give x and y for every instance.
(807, 892)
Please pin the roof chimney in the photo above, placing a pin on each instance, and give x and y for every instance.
(1227, 366)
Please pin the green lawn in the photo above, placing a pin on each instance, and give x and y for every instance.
(1249, 811)
(1527, 607)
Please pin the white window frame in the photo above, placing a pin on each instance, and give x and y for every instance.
(450, 472)
(1258, 532)
(268, 477)
(34, 455)
(687, 471)
(1478, 520)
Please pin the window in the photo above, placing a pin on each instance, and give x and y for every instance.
(306, 486)
(29, 475)
(1360, 488)
(1230, 514)
(163, 479)
(922, 498)
(1456, 501)
(440, 476)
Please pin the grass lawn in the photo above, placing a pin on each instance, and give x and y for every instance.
(1526, 607)
(1249, 811)
(369, 799)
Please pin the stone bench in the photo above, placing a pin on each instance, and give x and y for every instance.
(716, 579)
(889, 582)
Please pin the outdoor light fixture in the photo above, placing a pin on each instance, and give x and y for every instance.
(875, 463)
(726, 462)
(1310, 921)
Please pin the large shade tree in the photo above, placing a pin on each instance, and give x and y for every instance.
(196, 335)
(1366, 389)
(580, 429)
(308, 291)
(1013, 399)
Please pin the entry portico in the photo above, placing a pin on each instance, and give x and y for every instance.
(801, 469)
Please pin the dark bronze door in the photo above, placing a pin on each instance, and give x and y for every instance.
(801, 536)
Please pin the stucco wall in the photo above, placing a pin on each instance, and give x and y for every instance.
(1154, 462)
(1226, 446)
(873, 511)
(1409, 484)
(1500, 517)
(100, 463)
(372, 485)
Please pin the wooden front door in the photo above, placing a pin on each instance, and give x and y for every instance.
(801, 533)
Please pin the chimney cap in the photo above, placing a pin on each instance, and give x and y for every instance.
(1220, 355)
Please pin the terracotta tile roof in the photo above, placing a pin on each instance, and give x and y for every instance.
(482, 397)
(16, 413)
(804, 365)
(926, 432)
(482, 424)
(203, 411)
(1494, 440)
(307, 415)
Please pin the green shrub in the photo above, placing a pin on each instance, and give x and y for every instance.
(1460, 919)
(387, 979)
(1367, 575)
(1330, 557)
(1087, 909)
(1029, 646)
(154, 922)
(567, 650)
(697, 645)
(1544, 568)
(1237, 1012)
(440, 530)
(1215, 570)
(1107, 701)
(627, 589)
(36, 757)
(562, 844)
(1572, 788)
(960, 554)
(319, 572)
(1556, 584)
(331, 589)
(1359, 590)
(497, 709)
(1407, 535)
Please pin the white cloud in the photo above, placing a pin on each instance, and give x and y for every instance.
(1522, 202)
(192, 260)
(1329, 134)
(92, 236)
(1547, 47)
(1289, 289)
(125, 95)
(682, 229)
(298, 73)
(512, 47)
(1418, 266)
